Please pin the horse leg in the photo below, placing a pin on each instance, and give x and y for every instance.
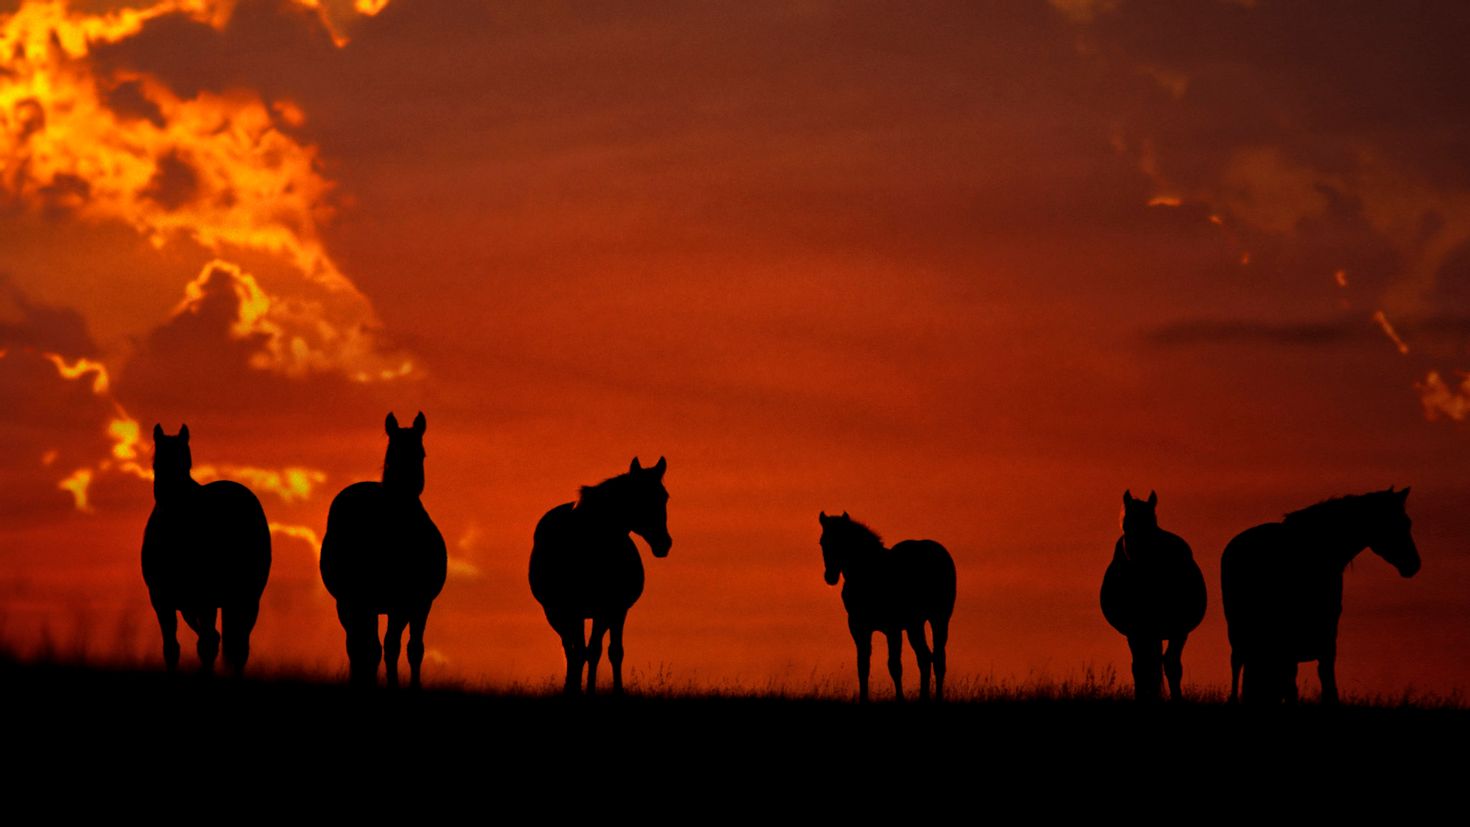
(1174, 668)
(593, 652)
(1147, 667)
(895, 660)
(416, 623)
(208, 646)
(864, 640)
(615, 649)
(236, 622)
(1236, 664)
(1289, 689)
(1327, 674)
(392, 643)
(363, 649)
(941, 637)
(923, 656)
(569, 628)
(168, 625)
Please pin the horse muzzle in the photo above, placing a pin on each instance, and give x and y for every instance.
(660, 546)
(1409, 568)
(831, 575)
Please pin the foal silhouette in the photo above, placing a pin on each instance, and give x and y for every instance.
(1152, 592)
(891, 591)
(206, 549)
(585, 566)
(383, 555)
(1281, 584)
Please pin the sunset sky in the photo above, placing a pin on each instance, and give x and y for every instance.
(964, 270)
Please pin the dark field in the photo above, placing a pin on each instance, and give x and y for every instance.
(95, 741)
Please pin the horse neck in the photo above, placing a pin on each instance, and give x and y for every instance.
(173, 487)
(1339, 543)
(861, 559)
(601, 506)
(404, 479)
(1141, 540)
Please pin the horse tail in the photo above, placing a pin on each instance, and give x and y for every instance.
(1113, 596)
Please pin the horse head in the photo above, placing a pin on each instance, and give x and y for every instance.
(403, 467)
(648, 505)
(171, 458)
(839, 537)
(1140, 516)
(1391, 539)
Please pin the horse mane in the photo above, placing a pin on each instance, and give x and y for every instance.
(860, 533)
(599, 491)
(1335, 510)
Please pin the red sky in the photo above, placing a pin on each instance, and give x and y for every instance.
(966, 271)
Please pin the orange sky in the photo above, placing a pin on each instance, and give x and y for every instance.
(966, 271)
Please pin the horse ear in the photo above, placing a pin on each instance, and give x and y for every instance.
(1153, 497)
(1404, 495)
(845, 517)
(1127, 496)
(635, 466)
(157, 432)
(822, 517)
(660, 467)
(420, 424)
(390, 424)
(184, 432)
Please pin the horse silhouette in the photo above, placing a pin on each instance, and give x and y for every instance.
(206, 550)
(891, 591)
(585, 566)
(383, 555)
(1152, 592)
(1281, 584)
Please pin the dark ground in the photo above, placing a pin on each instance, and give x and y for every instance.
(92, 742)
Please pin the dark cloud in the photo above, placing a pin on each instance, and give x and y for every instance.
(26, 323)
(49, 427)
(128, 101)
(1251, 332)
(174, 183)
(200, 364)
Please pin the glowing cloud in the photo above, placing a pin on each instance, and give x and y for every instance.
(76, 483)
(216, 169)
(299, 532)
(1441, 400)
(291, 484)
(80, 368)
(1388, 331)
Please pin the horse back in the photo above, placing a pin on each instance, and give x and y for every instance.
(927, 578)
(577, 569)
(1153, 587)
(1281, 599)
(381, 550)
(210, 549)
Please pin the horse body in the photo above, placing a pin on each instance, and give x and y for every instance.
(585, 565)
(1154, 594)
(383, 555)
(1281, 584)
(206, 550)
(894, 591)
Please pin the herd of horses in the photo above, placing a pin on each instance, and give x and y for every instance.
(207, 555)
